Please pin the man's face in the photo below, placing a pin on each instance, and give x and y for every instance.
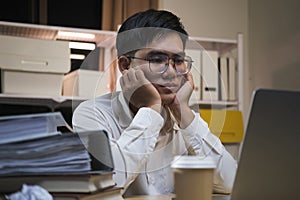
(168, 82)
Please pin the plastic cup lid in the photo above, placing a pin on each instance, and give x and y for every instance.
(193, 162)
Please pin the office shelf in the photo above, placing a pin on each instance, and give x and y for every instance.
(99, 37)
(218, 103)
(218, 44)
(106, 39)
(224, 47)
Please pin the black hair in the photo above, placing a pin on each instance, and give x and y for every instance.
(143, 27)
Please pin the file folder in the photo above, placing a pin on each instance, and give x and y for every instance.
(232, 79)
(210, 75)
(196, 72)
(224, 78)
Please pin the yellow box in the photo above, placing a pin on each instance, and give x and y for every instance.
(226, 124)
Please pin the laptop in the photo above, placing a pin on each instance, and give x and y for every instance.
(269, 164)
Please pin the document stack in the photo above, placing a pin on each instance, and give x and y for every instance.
(68, 165)
(17, 128)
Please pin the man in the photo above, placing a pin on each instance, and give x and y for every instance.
(149, 121)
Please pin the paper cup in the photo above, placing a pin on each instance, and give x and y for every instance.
(193, 177)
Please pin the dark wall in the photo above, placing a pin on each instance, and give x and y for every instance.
(75, 13)
(25, 11)
(69, 13)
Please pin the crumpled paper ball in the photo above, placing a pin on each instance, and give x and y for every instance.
(30, 192)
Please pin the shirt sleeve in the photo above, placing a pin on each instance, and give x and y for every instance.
(200, 141)
(137, 142)
(131, 149)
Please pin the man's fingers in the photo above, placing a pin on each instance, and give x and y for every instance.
(189, 80)
(141, 77)
(131, 75)
(189, 77)
(131, 81)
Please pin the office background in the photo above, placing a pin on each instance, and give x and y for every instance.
(271, 36)
(271, 29)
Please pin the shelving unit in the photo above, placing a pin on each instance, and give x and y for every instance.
(222, 46)
(106, 39)
(99, 37)
(102, 39)
(224, 117)
(21, 103)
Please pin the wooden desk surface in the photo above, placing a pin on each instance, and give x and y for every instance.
(152, 197)
(169, 197)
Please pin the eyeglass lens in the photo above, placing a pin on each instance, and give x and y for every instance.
(160, 63)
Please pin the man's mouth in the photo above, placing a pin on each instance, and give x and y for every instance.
(167, 88)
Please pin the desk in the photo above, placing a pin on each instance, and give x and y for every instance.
(152, 197)
(169, 197)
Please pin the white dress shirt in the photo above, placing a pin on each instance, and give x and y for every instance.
(142, 155)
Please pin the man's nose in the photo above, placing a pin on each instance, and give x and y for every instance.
(171, 69)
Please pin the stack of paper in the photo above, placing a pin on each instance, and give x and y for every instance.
(31, 144)
(32, 151)
(52, 154)
(210, 76)
(25, 127)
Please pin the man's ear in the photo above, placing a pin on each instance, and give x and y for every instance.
(123, 63)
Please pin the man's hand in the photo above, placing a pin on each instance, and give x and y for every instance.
(180, 107)
(139, 91)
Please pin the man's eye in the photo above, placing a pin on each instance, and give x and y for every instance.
(178, 61)
(158, 60)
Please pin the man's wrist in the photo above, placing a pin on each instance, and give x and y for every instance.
(183, 115)
(156, 107)
(186, 118)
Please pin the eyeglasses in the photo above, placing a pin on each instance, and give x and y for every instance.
(160, 63)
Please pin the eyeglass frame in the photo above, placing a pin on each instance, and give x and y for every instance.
(190, 61)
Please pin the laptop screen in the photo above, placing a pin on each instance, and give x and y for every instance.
(269, 162)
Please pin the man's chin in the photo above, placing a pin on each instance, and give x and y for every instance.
(167, 98)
